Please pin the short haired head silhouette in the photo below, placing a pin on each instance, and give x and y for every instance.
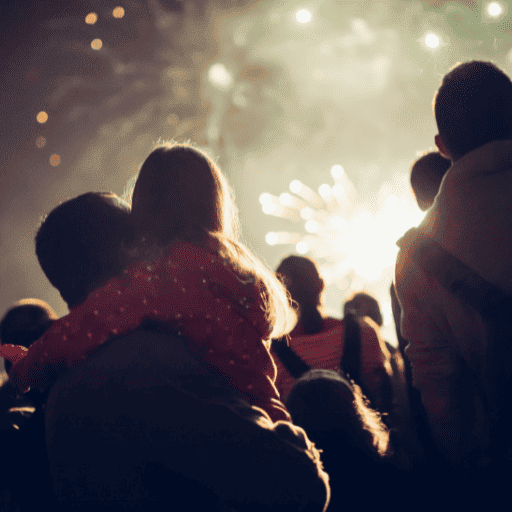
(79, 243)
(427, 173)
(473, 106)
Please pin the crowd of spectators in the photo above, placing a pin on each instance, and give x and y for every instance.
(188, 376)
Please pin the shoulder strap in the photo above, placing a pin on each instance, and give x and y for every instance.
(291, 360)
(459, 279)
(350, 363)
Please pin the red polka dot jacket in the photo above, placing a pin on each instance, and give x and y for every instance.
(191, 290)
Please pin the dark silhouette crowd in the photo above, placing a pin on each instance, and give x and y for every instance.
(189, 376)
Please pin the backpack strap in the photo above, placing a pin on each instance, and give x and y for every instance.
(291, 360)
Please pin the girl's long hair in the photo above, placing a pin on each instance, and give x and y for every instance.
(301, 277)
(181, 193)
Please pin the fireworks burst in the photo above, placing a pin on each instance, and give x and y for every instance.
(352, 238)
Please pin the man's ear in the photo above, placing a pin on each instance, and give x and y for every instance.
(442, 148)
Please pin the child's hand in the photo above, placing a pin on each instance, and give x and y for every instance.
(13, 353)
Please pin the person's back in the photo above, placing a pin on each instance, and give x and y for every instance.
(470, 218)
(141, 423)
(145, 411)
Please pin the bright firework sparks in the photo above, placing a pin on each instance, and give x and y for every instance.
(348, 237)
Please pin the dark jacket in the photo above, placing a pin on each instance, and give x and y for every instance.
(141, 424)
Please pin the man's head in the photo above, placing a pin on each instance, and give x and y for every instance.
(473, 106)
(78, 244)
(427, 172)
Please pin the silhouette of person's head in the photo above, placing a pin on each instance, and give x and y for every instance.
(181, 193)
(473, 106)
(25, 323)
(427, 173)
(302, 280)
(79, 243)
(363, 304)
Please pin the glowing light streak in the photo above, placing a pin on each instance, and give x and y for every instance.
(307, 213)
(337, 171)
(324, 190)
(312, 226)
(271, 238)
(282, 238)
(269, 208)
(309, 195)
(354, 242)
(285, 199)
(295, 186)
(265, 198)
(303, 16)
(302, 247)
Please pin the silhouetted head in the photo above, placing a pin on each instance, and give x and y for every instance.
(302, 280)
(25, 323)
(473, 106)
(334, 413)
(181, 193)
(79, 243)
(427, 172)
(363, 304)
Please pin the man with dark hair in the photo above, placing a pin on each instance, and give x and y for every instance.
(449, 346)
(141, 423)
(78, 244)
(427, 172)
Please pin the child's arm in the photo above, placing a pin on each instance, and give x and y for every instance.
(115, 308)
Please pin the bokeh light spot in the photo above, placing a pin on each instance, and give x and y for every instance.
(494, 9)
(55, 160)
(271, 238)
(42, 117)
(302, 247)
(96, 44)
(432, 41)
(40, 142)
(220, 77)
(118, 12)
(91, 18)
(303, 16)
